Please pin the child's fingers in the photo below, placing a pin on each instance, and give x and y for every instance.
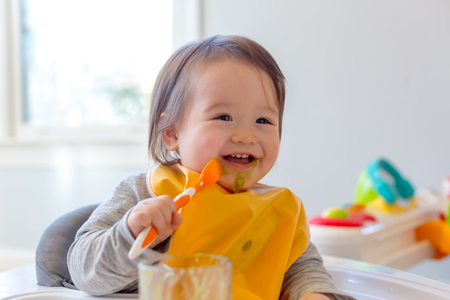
(168, 202)
(162, 217)
(177, 219)
(152, 212)
(141, 218)
(161, 220)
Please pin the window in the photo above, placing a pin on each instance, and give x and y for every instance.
(78, 69)
(88, 63)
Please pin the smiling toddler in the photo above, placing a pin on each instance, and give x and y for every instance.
(222, 97)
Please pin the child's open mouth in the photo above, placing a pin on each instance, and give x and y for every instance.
(240, 158)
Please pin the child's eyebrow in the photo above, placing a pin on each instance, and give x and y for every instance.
(271, 109)
(219, 105)
(214, 106)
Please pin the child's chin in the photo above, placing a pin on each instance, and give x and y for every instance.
(227, 182)
(233, 185)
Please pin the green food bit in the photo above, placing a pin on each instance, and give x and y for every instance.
(254, 163)
(238, 183)
(339, 214)
(247, 245)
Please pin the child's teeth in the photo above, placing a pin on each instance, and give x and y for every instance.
(240, 155)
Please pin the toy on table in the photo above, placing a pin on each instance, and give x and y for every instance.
(380, 190)
(438, 231)
(353, 216)
(379, 226)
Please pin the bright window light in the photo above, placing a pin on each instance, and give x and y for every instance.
(91, 62)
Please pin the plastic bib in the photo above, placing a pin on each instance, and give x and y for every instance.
(262, 230)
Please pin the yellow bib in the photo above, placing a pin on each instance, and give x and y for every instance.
(262, 230)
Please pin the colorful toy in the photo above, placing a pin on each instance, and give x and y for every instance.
(380, 189)
(381, 179)
(353, 216)
(438, 231)
(379, 227)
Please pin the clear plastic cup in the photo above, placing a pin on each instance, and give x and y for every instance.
(180, 277)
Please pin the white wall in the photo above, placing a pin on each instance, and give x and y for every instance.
(364, 79)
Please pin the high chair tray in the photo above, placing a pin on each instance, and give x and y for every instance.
(364, 281)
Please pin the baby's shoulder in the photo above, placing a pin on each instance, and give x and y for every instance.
(136, 177)
(136, 182)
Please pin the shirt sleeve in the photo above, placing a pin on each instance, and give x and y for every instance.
(307, 275)
(98, 258)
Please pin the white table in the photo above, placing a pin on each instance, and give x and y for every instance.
(363, 280)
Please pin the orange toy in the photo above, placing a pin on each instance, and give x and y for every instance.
(438, 233)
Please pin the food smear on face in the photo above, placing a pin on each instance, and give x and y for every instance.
(239, 182)
(238, 177)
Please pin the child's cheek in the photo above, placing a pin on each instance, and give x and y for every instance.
(209, 146)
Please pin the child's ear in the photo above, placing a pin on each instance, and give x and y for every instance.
(170, 138)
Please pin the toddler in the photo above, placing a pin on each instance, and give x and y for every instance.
(222, 97)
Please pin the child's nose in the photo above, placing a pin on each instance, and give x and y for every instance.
(244, 135)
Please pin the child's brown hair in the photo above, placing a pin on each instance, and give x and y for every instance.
(176, 77)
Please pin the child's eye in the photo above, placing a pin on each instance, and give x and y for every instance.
(263, 121)
(224, 118)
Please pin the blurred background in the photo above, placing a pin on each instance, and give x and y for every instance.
(365, 79)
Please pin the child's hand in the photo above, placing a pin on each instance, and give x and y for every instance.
(318, 297)
(158, 212)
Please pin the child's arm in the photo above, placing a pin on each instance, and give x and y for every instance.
(98, 259)
(307, 277)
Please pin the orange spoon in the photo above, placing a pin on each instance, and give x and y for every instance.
(210, 174)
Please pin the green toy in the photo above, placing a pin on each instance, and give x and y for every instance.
(372, 184)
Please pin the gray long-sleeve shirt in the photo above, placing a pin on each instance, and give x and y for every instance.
(98, 259)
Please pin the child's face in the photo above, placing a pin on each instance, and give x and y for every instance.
(233, 116)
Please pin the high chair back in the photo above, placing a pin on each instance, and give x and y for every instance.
(51, 252)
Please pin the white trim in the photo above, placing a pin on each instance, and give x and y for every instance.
(14, 68)
(188, 21)
(63, 156)
(121, 133)
(5, 68)
(149, 186)
(3, 76)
